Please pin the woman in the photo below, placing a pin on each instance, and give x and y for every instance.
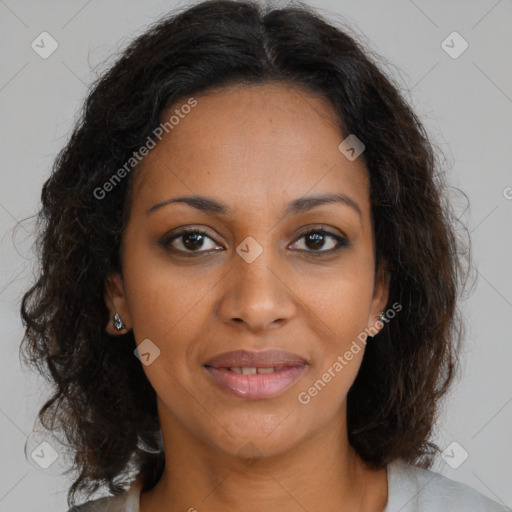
(249, 278)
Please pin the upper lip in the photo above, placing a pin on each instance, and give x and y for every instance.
(247, 359)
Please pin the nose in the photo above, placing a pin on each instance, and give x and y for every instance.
(258, 294)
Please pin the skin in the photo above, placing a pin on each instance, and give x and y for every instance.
(254, 148)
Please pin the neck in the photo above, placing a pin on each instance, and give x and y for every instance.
(322, 473)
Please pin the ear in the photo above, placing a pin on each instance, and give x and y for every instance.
(115, 299)
(380, 295)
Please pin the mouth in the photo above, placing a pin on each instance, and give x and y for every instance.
(256, 375)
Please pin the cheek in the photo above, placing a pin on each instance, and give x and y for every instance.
(342, 307)
(162, 297)
(342, 300)
(170, 307)
(338, 355)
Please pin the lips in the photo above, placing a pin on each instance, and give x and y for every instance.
(246, 359)
(256, 375)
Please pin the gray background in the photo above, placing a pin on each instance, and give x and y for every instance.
(466, 104)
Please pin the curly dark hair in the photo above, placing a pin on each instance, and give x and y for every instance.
(102, 400)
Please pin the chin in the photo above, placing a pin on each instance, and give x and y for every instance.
(259, 435)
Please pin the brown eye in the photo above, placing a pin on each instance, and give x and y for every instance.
(189, 241)
(315, 240)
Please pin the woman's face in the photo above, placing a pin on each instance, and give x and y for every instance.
(255, 281)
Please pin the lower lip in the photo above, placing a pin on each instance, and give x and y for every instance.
(258, 386)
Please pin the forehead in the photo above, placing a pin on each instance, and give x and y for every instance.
(257, 145)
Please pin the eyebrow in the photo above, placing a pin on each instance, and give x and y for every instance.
(300, 205)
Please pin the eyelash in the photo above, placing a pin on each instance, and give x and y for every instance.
(341, 240)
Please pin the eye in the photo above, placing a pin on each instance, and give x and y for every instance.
(317, 238)
(190, 240)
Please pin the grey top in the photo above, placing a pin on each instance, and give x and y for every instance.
(410, 489)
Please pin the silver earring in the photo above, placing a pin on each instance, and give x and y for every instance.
(382, 316)
(118, 323)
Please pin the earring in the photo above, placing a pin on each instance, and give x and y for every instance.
(118, 323)
(382, 316)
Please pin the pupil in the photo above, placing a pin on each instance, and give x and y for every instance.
(196, 244)
(316, 238)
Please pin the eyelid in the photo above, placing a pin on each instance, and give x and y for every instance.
(313, 228)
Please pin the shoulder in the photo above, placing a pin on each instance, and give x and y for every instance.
(110, 504)
(414, 489)
(127, 501)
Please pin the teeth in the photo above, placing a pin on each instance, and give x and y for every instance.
(266, 370)
(253, 371)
